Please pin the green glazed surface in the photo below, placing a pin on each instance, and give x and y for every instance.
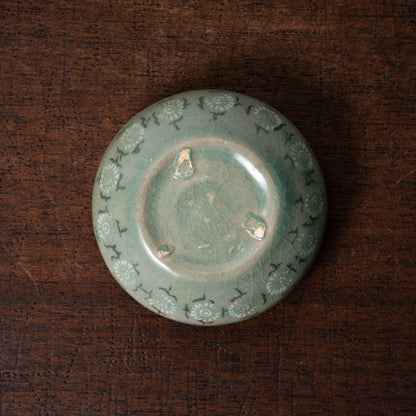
(209, 207)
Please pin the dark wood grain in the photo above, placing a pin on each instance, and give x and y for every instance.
(73, 342)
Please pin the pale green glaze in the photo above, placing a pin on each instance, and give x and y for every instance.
(209, 207)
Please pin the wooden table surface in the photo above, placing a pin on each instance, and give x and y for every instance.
(72, 342)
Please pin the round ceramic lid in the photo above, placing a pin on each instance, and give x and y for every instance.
(209, 207)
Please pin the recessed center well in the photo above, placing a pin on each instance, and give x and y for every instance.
(213, 219)
(205, 214)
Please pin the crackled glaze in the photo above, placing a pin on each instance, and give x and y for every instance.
(209, 207)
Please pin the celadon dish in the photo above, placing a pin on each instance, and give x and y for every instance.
(209, 207)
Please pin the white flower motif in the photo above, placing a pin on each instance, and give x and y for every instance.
(266, 118)
(220, 102)
(131, 137)
(240, 309)
(109, 178)
(314, 202)
(279, 281)
(164, 304)
(305, 244)
(170, 111)
(205, 312)
(301, 157)
(125, 273)
(104, 225)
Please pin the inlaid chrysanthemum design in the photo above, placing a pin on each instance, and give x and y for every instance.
(125, 273)
(305, 244)
(241, 309)
(131, 137)
(218, 103)
(109, 179)
(314, 202)
(205, 312)
(164, 304)
(106, 227)
(279, 281)
(300, 156)
(266, 119)
(170, 112)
